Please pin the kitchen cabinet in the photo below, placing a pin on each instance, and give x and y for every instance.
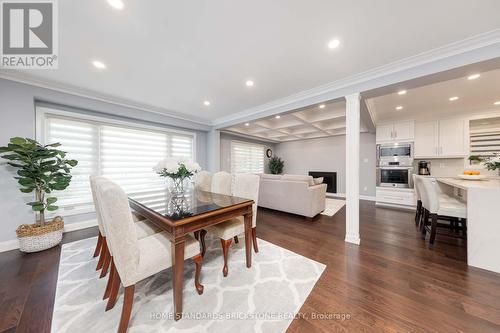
(395, 197)
(395, 132)
(440, 139)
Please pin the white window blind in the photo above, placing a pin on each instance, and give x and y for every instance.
(485, 142)
(247, 157)
(125, 154)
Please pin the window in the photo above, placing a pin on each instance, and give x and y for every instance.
(247, 157)
(123, 152)
(484, 137)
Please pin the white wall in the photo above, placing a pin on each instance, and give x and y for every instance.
(17, 118)
(225, 150)
(328, 154)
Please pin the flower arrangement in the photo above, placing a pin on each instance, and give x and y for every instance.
(177, 170)
(492, 163)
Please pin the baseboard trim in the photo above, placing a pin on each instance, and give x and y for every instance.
(13, 244)
(342, 195)
(353, 239)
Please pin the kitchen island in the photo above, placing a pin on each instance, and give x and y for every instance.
(483, 219)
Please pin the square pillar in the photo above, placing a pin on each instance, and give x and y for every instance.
(352, 168)
(213, 151)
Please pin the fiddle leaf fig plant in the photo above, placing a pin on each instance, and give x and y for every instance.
(41, 169)
(276, 165)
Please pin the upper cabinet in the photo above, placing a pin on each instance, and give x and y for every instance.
(394, 132)
(440, 139)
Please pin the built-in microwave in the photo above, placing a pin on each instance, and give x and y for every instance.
(395, 154)
(399, 177)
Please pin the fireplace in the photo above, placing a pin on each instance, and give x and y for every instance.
(329, 178)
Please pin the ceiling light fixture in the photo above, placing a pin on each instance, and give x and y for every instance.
(206, 103)
(333, 44)
(98, 64)
(116, 4)
(247, 124)
(322, 106)
(399, 107)
(454, 98)
(250, 83)
(402, 92)
(496, 103)
(278, 117)
(473, 76)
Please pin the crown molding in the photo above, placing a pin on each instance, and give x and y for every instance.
(370, 106)
(21, 77)
(471, 50)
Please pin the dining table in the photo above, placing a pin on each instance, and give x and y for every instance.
(190, 212)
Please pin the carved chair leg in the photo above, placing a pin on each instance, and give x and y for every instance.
(105, 265)
(113, 294)
(198, 260)
(254, 239)
(104, 249)
(236, 241)
(433, 228)
(128, 302)
(98, 245)
(225, 251)
(110, 279)
(203, 233)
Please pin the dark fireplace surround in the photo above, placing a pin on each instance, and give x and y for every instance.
(329, 178)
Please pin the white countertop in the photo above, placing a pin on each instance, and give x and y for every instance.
(488, 183)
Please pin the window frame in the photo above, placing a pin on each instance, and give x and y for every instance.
(248, 144)
(43, 111)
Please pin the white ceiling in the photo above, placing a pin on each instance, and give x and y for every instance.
(308, 123)
(431, 101)
(173, 55)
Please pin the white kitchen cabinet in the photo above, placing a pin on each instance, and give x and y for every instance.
(395, 132)
(426, 139)
(395, 197)
(440, 139)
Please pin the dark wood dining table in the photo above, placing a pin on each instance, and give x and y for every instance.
(192, 211)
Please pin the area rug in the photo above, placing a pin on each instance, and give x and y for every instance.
(264, 298)
(332, 206)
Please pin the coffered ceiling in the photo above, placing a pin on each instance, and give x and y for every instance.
(173, 56)
(313, 122)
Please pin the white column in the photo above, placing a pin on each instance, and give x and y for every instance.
(352, 168)
(213, 151)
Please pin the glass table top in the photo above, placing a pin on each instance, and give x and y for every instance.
(191, 203)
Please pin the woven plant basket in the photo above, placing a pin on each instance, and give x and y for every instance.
(34, 238)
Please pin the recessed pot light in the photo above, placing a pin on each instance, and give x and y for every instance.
(454, 98)
(473, 76)
(402, 92)
(98, 64)
(333, 44)
(399, 107)
(250, 83)
(206, 103)
(116, 4)
(247, 124)
(322, 106)
(496, 103)
(278, 117)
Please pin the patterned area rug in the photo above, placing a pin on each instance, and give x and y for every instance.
(332, 206)
(264, 298)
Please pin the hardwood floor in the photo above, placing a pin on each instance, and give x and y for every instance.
(392, 283)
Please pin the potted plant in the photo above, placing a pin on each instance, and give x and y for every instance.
(276, 165)
(492, 162)
(41, 169)
(178, 170)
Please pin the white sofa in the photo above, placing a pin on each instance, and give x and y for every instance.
(296, 194)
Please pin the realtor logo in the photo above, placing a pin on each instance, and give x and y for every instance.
(29, 34)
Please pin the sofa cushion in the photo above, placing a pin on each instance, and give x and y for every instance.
(299, 178)
(269, 176)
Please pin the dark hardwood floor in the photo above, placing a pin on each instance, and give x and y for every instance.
(391, 283)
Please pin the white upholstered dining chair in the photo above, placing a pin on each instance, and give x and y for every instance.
(221, 183)
(439, 206)
(203, 181)
(144, 228)
(135, 259)
(245, 186)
